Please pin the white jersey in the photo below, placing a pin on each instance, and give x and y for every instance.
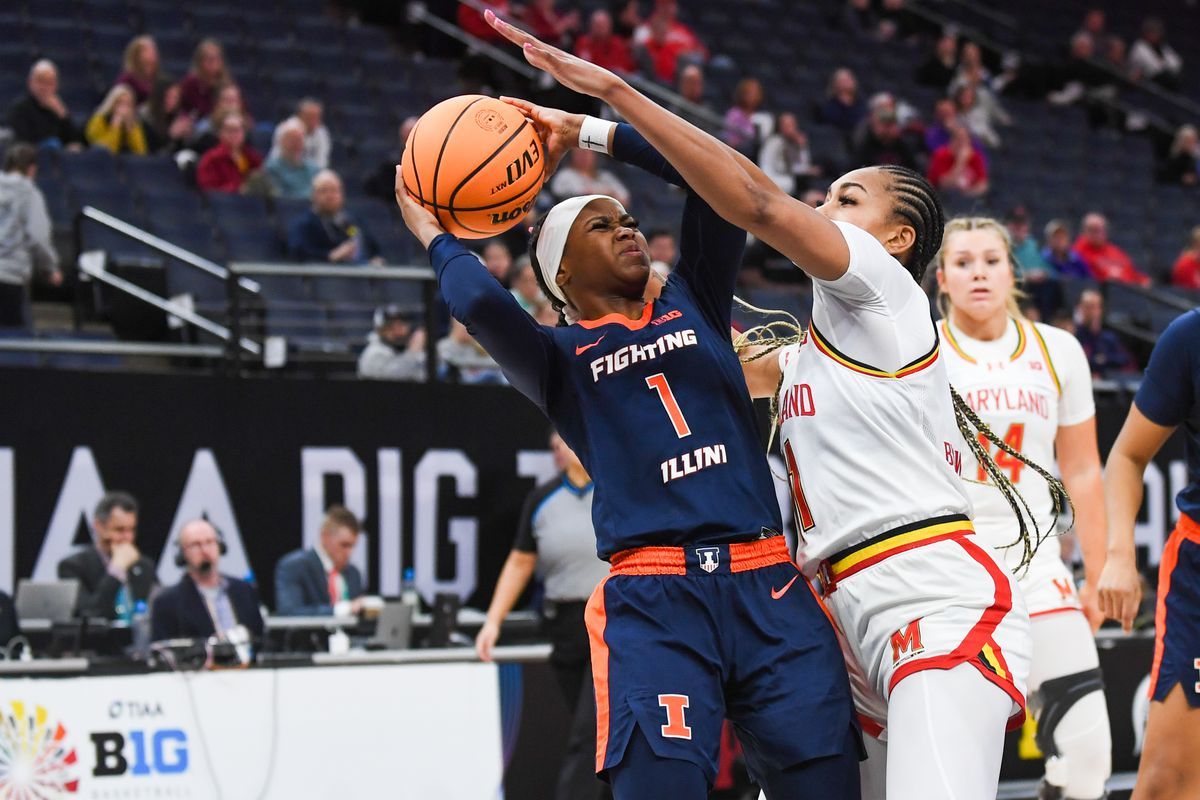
(1025, 385)
(866, 421)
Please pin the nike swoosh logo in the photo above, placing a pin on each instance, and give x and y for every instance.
(778, 593)
(581, 350)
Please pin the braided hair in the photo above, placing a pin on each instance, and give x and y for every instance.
(919, 205)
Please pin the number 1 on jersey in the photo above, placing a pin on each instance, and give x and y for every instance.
(658, 382)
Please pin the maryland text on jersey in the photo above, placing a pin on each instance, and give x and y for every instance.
(622, 357)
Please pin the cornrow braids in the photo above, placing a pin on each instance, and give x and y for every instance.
(919, 205)
(967, 419)
(555, 303)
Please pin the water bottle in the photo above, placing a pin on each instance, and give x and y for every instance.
(141, 630)
(408, 590)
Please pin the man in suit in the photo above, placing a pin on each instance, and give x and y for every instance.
(113, 576)
(322, 581)
(204, 602)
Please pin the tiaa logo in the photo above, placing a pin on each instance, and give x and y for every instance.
(36, 757)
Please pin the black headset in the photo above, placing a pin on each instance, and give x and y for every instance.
(222, 548)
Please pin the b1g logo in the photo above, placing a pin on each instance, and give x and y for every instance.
(140, 753)
(36, 756)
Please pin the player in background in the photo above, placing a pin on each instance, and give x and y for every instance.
(703, 616)
(1168, 398)
(1031, 384)
(867, 418)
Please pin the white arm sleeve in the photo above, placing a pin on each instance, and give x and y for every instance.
(875, 312)
(1077, 403)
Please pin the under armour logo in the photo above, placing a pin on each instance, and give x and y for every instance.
(710, 558)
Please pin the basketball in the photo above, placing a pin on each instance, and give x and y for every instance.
(476, 163)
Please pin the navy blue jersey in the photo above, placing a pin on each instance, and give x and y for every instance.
(1170, 396)
(656, 408)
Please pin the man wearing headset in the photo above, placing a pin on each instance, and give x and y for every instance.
(394, 351)
(204, 602)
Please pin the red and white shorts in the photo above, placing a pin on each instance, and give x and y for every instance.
(926, 596)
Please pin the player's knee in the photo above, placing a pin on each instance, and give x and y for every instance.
(1160, 779)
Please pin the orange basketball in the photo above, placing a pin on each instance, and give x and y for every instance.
(476, 163)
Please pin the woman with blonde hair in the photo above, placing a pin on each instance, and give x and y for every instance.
(1030, 383)
(140, 68)
(116, 124)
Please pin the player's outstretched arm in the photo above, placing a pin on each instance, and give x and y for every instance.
(730, 183)
(1119, 588)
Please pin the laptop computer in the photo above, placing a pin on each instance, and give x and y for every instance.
(48, 600)
(393, 629)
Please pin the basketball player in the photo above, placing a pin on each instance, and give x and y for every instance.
(703, 616)
(1032, 385)
(1168, 397)
(936, 623)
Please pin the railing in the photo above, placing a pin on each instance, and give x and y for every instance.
(417, 13)
(407, 273)
(93, 347)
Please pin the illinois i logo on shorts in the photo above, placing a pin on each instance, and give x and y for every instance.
(676, 727)
(710, 558)
(906, 642)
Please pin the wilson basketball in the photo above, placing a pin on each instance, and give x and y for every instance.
(476, 163)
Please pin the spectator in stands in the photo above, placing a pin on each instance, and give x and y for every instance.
(549, 24)
(207, 131)
(1186, 272)
(1036, 276)
(691, 88)
(1081, 80)
(1106, 261)
(786, 157)
(1152, 59)
(663, 251)
(327, 232)
(1180, 167)
(1115, 54)
(320, 580)
(746, 124)
(116, 126)
(945, 118)
(524, 286)
(971, 68)
(39, 116)
(140, 68)
(1058, 253)
(1105, 353)
(881, 140)
(583, 176)
(198, 89)
(382, 182)
(604, 48)
(843, 108)
(291, 175)
(25, 235)
(394, 351)
(225, 167)
(317, 141)
(980, 111)
(1094, 23)
(942, 65)
(204, 603)
(113, 575)
(168, 129)
(471, 20)
(895, 21)
(958, 167)
(464, 360)
(663, 39)
(627, 18)
(859, 18)
(498, 260)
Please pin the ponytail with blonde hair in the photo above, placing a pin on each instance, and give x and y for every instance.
(1012, 303)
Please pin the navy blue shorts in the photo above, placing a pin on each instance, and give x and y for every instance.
(1177, 619)
(684, 638)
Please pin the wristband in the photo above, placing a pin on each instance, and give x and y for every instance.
(594, 133)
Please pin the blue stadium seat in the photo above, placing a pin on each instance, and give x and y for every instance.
(237, 211)
(343, 290)
(157, 171)
(253, 244)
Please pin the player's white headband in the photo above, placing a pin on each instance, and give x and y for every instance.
(553, 238)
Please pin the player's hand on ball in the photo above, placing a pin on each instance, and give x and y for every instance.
(420, 221)
(558, 129)
(485, 640)
(571, 71)
(1120, 591)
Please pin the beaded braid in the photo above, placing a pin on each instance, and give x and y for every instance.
(767, 336)
(966, 418)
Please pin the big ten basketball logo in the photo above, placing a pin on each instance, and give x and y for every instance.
(500, 217)
(953, 458)
(797, 402)
(1065, 590)
(142, 751)
(906, 642)
(676, 727)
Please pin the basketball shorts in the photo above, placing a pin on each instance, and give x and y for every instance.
(927, 596)
(683, 638)
(1047, 584)
(1177, 617)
